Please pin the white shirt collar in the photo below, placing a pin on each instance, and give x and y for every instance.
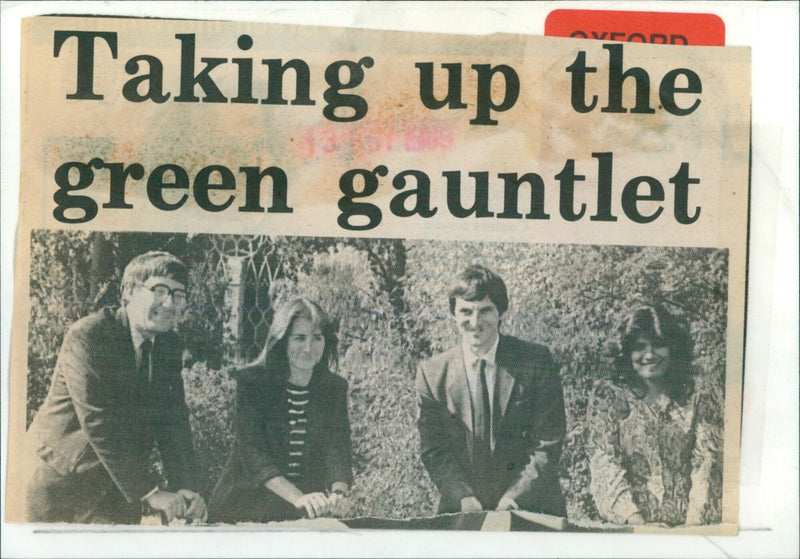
(470, 357)
(137, 339)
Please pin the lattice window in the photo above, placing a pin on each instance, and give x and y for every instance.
(251, 265)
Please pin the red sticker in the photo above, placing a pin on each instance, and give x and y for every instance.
(637, 27)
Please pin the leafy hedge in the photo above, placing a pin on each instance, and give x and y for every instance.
(390, 300)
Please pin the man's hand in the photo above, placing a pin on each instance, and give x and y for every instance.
(471, 504)
(636, 518)
(171, 504)
(195, 505)
(315, 504)
(507, 503)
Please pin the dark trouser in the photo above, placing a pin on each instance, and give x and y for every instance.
(87, 498)
(251, 504)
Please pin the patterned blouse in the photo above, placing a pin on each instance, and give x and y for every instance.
(662, 460)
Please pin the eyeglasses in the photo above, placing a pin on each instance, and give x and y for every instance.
(161, 292)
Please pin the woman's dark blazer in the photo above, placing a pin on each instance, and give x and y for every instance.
(260, 451)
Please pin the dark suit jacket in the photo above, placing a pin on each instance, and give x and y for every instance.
(101, 415)
(528, 438)
(260, 451)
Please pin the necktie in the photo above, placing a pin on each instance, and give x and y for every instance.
(145, 363)
(482, 435)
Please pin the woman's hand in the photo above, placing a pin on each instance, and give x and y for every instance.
(336, 502)
(340, 504)
(315, 504)
(195, 506)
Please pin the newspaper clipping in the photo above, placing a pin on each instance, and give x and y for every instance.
(309, 277)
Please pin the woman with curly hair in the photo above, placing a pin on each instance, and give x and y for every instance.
(655, 430)
(292, 454)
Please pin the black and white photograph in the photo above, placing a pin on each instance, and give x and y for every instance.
(389, 279)
(383, 383)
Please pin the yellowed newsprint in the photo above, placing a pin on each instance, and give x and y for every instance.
(305, 277)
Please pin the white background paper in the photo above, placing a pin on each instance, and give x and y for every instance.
(768, 516)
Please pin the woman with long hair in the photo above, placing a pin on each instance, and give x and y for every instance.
(292, 454)
(655, 441)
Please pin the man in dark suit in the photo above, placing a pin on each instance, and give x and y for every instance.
(491, 410)
(117, 393)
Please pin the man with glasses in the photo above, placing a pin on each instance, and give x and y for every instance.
(116, 395)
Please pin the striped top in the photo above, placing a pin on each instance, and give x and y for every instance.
(297, 402)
